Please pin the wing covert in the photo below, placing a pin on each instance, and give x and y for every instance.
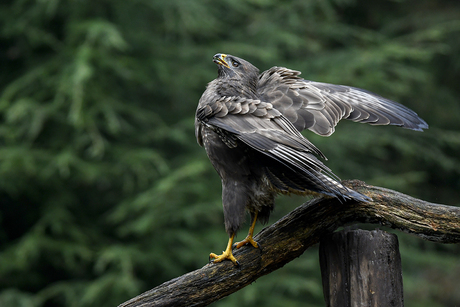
(243, 117)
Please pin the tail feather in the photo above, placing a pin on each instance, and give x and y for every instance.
(289, 181)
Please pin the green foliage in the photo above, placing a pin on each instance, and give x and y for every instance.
(104, 192)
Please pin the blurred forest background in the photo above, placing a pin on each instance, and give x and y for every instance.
(104, 192)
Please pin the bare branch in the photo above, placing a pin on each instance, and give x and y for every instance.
(289, 237)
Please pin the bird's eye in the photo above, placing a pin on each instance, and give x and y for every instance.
(235, 63)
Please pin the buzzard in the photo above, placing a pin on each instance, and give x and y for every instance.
(250, 124)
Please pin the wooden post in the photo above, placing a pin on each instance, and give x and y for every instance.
(361, 268)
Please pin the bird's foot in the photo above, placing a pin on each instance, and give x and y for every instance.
(225, 255)
(247, 240)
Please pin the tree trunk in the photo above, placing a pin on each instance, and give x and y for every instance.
(361, 268)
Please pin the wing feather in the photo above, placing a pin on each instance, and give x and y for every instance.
(320, 106)
(263, 128)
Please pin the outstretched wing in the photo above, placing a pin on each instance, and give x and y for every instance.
(266, 130)
(320, 106)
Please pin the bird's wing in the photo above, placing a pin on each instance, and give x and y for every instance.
(320, 106)
(265, 129)
(243, 116)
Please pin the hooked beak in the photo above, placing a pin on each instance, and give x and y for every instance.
(219, 59)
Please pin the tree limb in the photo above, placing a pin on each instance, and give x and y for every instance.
(289, 237)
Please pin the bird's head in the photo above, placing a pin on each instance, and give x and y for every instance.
(236, 69)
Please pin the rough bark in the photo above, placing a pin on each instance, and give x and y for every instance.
(289, 237)
(361, 268)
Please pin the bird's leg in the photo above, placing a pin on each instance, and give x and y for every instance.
(249, 239)
(227, 254)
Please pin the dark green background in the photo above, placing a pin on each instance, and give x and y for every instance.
(104, 192)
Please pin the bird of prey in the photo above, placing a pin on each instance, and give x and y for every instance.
(250, 124)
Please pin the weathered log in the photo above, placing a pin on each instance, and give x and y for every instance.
(289, 237)
(361, 268)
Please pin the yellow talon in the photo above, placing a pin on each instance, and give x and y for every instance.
(249, 239)
(227, 254)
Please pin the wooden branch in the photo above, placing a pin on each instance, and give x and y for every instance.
(289, 237)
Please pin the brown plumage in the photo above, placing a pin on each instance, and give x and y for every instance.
(250, 123)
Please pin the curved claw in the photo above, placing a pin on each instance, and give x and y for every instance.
(247, 240)
(227, 254)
